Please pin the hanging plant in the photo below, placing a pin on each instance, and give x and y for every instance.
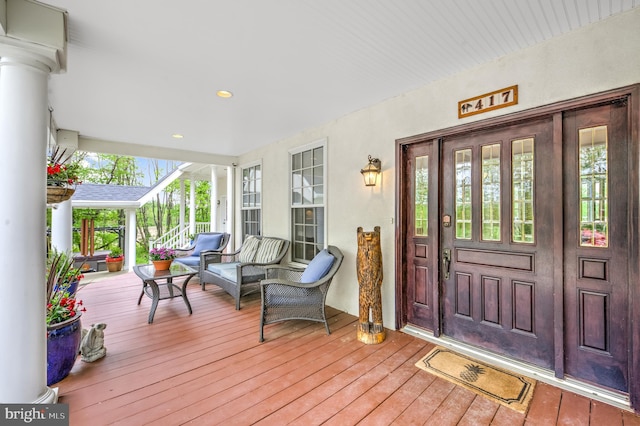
(62, 176)
(60, 172)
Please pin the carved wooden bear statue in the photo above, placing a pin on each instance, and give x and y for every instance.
(369, 269)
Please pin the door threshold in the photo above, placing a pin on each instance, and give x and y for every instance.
(538, 373)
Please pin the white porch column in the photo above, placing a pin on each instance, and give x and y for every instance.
(182, 204)
(61, 226)
(23, 135)
(231, 205)
(182, 212)
(131, 232)
(28, 53)
(213, 198)
(192, 206)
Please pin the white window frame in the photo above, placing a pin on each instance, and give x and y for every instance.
(322, 143)
(244, 208)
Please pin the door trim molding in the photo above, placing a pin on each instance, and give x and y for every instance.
(527, 115)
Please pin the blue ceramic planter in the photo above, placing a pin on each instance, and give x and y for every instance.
(63, 344)
(73, 287)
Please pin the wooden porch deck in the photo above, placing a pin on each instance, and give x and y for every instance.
(209, 368)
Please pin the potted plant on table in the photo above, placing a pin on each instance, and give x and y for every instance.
(114, 260)
(161, 257)
(63, 312)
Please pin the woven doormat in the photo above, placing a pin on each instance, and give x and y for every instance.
(499, 385)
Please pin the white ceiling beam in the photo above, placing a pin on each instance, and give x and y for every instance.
(88, 144)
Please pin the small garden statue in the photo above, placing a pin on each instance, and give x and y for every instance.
(92, 345)
(369, 269)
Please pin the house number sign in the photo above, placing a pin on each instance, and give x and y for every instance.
(488, 102)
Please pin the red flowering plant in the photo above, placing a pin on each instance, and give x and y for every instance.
(115, 255)
(61, 286)
(59, 171)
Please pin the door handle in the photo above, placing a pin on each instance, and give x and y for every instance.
(446, 262)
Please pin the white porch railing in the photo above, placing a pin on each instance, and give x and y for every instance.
(178, 238)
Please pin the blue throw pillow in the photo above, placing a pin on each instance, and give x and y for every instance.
(318, 267)
(207, 242)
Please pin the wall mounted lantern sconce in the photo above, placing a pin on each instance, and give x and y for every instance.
(371, 171)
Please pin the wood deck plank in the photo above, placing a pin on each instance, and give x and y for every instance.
(453, 408)
(208, 368)
(544, 406)
(236, 381)
(574, 410)
(481, 412)
(630, 419)
(363, 409)
(421, 409)
(390, 409)
(603, 414)
(241, 398)
(507, 417)
(331, 410)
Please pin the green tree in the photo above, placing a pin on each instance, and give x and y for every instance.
(153, 219)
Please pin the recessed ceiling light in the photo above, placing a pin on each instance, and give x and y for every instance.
(224, 93)
(177, 136)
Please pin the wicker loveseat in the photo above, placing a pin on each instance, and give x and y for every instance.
(239, 273)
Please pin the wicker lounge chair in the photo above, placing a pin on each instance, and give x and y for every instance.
(239, 273)
(299, 293)
(203, 242)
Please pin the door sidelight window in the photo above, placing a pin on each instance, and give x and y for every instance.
(421, 182)
(594, 194)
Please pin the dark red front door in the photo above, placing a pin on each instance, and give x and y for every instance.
(498, 252)
(422, 241)
(596, 238)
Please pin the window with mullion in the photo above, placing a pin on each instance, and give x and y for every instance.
(307, 202)
(251, 200)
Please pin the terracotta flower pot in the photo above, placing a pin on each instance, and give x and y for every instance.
(115, 265)
(162, 265)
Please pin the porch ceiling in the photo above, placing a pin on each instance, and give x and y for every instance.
(141, 71)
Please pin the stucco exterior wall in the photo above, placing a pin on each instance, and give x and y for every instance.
(599, 57)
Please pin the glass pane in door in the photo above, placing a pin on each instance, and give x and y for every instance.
(522, 191)
(491, 192)
(594, 194)
(463, 193)
(421, 207)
